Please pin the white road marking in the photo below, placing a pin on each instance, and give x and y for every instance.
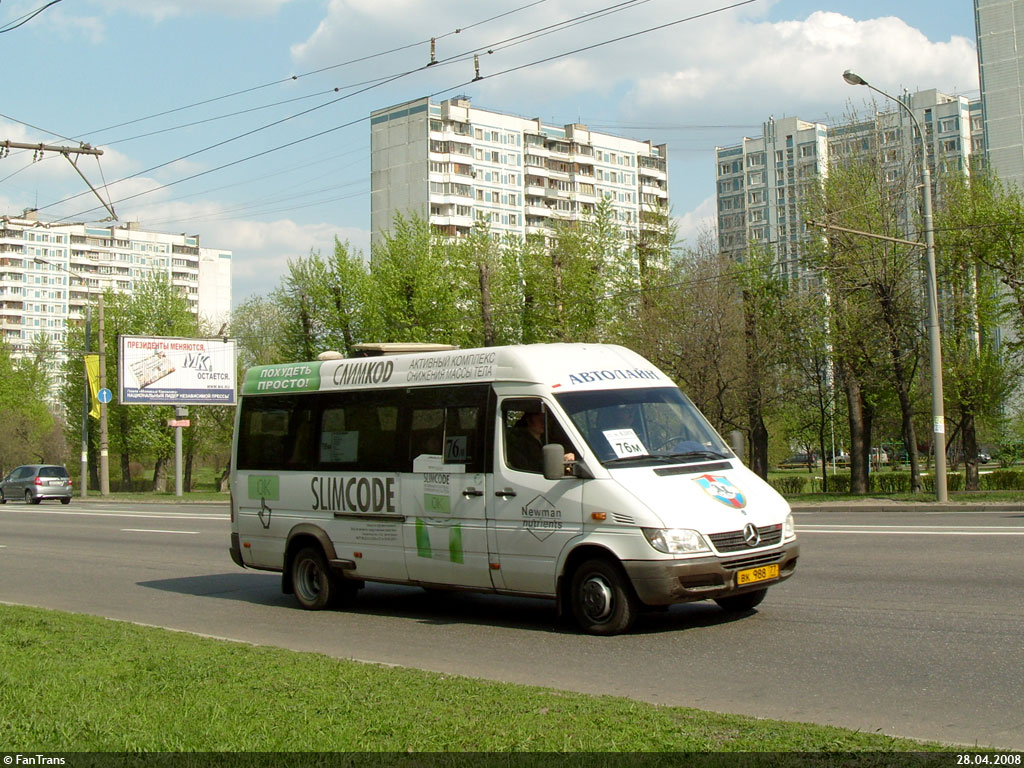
(143, 515)
(154, 530)
(877, 530)
(880, 526)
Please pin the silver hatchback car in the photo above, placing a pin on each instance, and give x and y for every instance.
(35, 482)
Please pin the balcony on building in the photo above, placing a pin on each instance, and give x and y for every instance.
(536, 165)
(583, 169)
(535, 185)
(536, 144)
(452, 230)
(559, 149)
(652, 166)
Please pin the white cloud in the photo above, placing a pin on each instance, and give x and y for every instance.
(167, 9)
(260, 249)
(800, 63)
(62, 25)
(693, 225)
(722, 65)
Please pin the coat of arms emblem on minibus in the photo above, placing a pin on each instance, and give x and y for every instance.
(720, 489)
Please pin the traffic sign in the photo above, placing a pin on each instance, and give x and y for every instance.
(104, 395)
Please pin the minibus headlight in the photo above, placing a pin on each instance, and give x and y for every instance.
(788, 527)
(676, 541)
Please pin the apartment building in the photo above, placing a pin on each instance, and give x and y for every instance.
(50, 272)
(1000, 32)
(763, 183)
(458, 166)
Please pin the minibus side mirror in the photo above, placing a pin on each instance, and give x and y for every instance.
(554, 461)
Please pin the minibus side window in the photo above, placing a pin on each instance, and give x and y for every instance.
(462, 426)
(426, 432)
(275, 432)
(448, 422)
(523, 441)
(448, 432)
(359, 431)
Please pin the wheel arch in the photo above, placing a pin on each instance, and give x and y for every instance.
(575, 556)
(304, 535)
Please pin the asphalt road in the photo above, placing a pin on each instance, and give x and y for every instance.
(908, 624)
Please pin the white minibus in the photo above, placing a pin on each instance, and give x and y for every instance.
(574, 472)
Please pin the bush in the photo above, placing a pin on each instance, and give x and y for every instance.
(1009, 454)
(1002, 480)
(891, 482)
(789, 486)
(954, 482)
(836, 484)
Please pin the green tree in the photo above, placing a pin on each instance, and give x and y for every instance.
(763, 294)
(32, 433)
(973, 220)
(320, 305)
(488, 296)
(696, 333)
(411, 291)
(876, 300)
(257, 324)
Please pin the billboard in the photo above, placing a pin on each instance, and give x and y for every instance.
(162, 370)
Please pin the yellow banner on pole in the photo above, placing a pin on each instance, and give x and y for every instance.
(92, 367)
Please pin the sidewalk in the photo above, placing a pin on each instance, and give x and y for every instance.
(117, 498)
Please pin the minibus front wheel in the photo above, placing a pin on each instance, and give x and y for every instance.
(602, 598)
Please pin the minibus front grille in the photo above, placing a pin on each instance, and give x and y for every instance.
(754, 561)
(734, 541)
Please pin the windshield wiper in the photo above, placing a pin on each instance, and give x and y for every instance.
(627, 459)
(694, 455)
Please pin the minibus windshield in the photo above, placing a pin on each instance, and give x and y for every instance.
(643, 426)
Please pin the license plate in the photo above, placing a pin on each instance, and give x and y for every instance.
(754, 575)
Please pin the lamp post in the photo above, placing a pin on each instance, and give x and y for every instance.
(934, 340)
(104, 462)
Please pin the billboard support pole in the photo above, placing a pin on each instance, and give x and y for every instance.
(179, 414)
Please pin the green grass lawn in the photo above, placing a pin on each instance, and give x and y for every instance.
(79, 683)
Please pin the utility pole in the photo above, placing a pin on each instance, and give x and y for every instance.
(104, 461)
(83, 149)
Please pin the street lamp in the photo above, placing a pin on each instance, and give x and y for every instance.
(934, 341)
(104, 462)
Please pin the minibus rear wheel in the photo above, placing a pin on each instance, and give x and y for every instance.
(602, 598)
(741, 603)
(315, 586)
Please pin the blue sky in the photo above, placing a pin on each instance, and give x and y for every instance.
(249, 173)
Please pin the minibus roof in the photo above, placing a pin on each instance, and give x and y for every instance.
(563, 367)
